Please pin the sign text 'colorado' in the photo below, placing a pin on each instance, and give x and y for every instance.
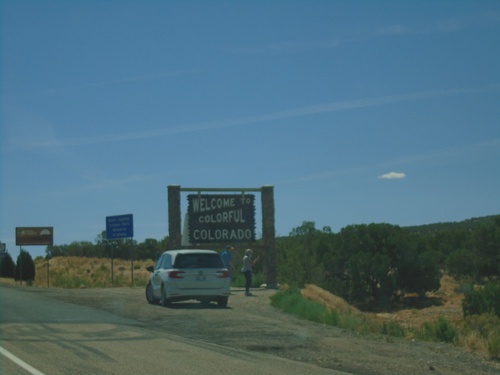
(221, 218)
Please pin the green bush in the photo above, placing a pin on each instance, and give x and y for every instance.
(292, 302)
(444, 330)
(440, 330)
(483, 301)
(465, 288)
(393, 328)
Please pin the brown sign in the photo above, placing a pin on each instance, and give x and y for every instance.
(34, 236)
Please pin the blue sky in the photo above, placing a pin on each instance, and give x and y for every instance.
(355, 111)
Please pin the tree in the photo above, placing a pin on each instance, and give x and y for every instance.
(462, 264)
(487, 246)
(379, 261)
(476, 254)
(418, 272)
(7, 266)
(25, 267)
(300, 255)
(364, 259)
(149, 249)
(298, 264)
(307, 228)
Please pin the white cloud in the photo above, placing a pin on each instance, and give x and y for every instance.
(393, 176)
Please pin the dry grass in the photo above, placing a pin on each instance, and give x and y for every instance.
(77, 272)
(329, 300)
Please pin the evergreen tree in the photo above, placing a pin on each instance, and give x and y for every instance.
(7, 266)
(25, 267)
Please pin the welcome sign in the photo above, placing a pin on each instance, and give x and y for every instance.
(217, 218)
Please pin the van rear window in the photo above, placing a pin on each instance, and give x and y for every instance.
(198, 261)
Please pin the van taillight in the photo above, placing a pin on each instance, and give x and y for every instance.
(222, 274)
(176, 274)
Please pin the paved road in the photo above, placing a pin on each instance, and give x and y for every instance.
(47, 336)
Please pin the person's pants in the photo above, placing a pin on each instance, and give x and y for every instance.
(248, 280)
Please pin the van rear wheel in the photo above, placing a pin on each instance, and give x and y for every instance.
(222, 302)
(150, 296)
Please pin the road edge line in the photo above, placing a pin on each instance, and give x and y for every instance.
(20, 362)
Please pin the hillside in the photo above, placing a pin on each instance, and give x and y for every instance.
(453, 225)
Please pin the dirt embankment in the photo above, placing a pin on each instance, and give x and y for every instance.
(447, 303)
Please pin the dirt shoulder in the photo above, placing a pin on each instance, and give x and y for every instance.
(251, 324)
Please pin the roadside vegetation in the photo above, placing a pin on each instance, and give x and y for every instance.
(379, 268)
(79, 272)
(476, 333)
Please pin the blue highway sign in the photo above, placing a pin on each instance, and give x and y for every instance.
(120, 226)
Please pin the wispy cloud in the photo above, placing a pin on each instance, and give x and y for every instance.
(393, 176)
(296, 47)
(396, 29)
(53, 142)
(111, 82)
(448, 25)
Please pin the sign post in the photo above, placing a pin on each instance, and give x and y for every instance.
(120, 227)
(47, 257)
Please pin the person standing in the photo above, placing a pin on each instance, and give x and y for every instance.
(227, 258)
(248, 263)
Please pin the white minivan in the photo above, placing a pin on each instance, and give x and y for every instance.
(181, 275)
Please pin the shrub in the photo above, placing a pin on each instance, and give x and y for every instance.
(482, 324)
(444, 330)
(393, 328)
(483, 301)
(292, 302)
(482, 331)
(440, 330)
(493, 344)
(465, 288)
